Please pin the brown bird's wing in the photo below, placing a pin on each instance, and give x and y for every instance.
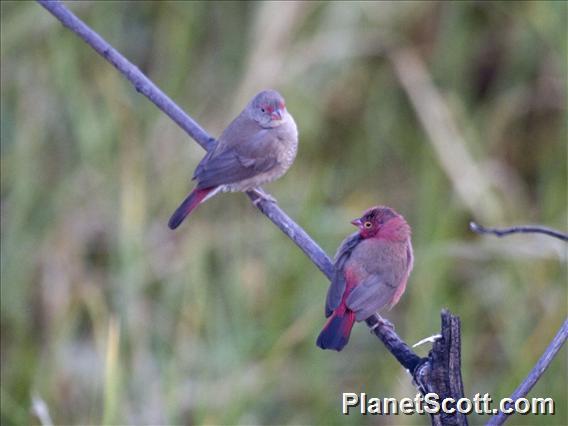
(337, 287)
(230, 167)
(238, 159)
(370, 295)
(386, 264)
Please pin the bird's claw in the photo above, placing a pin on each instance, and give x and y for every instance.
(386, 323)
(382, 322)
(262, 196)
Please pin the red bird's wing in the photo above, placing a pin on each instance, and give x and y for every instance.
(337, 287)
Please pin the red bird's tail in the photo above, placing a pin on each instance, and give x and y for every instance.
(337, 329)
(186, 207)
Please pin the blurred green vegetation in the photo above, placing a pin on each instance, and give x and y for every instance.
(110, 317)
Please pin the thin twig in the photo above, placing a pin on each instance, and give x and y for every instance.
(524, 229)
(535, 374)
(270, 209)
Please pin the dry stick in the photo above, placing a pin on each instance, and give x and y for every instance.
(400, 350)
(524, 229)
(535, 374)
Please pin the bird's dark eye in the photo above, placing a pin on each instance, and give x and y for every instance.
(263, 110)
(367, 224)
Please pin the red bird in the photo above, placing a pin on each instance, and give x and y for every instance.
(258, 147)
(370, 272)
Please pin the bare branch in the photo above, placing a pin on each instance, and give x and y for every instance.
(524, 229)
(399, 349)
(535, 374)
(296, 233)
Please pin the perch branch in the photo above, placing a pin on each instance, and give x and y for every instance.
(530, 229)
(144, 85)
(536, 372)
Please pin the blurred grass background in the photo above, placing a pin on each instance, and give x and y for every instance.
(445, 111)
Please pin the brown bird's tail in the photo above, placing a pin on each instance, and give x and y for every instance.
(337, 329)
(186, 207)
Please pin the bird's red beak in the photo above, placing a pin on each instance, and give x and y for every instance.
(357, 222)
(277, 115)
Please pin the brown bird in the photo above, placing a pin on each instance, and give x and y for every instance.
(370, 273)
(259, 146)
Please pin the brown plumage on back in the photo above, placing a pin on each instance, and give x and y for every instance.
(257, 147)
